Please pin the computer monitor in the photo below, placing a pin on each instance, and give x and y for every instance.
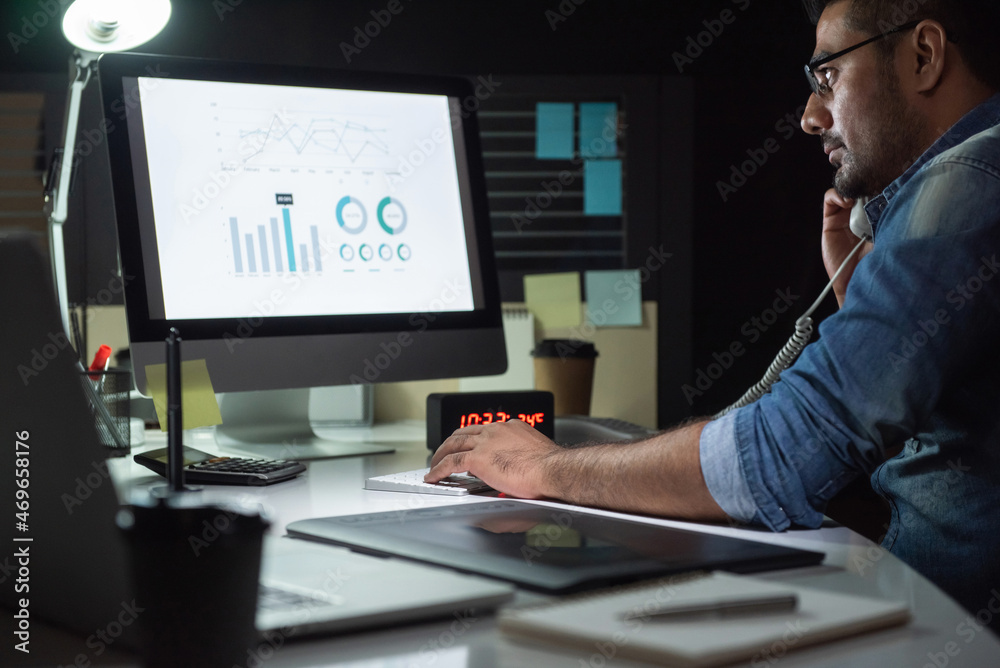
(300, 227)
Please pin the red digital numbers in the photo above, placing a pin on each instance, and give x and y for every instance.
(534, 419)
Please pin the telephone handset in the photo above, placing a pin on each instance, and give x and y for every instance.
(861, 227)
(860, 224)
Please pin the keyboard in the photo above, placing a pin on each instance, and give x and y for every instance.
(457, 484)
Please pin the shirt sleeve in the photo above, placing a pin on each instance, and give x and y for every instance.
(920, 310)
(719, 466)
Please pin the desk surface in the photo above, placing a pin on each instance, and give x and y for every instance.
(941, 633)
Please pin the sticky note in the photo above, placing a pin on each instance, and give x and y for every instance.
(602, 188)
(598, 129)
(554, 130)
(198, 403)
(554, 299)
(614, 298)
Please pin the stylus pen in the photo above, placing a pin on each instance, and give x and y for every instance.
(720, 609)
(175, 417)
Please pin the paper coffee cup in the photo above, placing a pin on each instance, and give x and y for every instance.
(565, 367)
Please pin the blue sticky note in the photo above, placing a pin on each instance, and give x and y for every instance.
(598, 129)
(614, 298)
(554, 130)
(602, 188)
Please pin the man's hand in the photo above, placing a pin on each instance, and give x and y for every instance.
(839, 241)
(660, 475)
(510, 457)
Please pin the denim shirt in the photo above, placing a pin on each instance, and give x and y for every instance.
(912, 359)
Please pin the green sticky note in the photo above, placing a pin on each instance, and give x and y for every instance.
(198, 402)
(614, 298)
(554, 299)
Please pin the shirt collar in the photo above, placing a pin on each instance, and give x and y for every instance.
(983, 117)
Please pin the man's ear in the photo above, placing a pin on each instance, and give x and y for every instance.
(925, 54)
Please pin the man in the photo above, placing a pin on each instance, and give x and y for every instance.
(904, 101)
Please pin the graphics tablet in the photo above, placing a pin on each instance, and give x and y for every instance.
(548, 549)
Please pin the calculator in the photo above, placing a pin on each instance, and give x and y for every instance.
(201, 467)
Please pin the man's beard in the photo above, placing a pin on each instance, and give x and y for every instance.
(890, 144)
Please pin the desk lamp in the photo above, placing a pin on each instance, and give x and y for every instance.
(93, 27)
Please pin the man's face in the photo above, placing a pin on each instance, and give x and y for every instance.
(868, 128)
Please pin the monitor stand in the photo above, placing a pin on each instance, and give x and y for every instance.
(274, 424)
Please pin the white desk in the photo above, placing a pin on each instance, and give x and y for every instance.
(939, 634)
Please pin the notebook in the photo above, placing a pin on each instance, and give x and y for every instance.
(603, 623)
(76, 554)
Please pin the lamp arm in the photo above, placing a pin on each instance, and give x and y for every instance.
(57, 193)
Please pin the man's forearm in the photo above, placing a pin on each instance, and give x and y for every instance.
(660, 476)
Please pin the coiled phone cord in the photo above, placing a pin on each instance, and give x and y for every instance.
(791, 350)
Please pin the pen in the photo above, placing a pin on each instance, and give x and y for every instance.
(175, 419)
(720, 609)
(101, 360)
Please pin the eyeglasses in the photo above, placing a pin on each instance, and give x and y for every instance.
(820, 82)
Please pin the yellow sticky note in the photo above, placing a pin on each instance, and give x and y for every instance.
(554, 299)
(198, 402)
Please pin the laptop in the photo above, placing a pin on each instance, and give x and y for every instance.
(65, 534)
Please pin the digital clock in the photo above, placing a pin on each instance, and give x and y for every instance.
(447, 412)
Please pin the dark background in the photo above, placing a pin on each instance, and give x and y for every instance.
(731, 257)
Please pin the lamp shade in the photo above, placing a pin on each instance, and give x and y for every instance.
(103, 26)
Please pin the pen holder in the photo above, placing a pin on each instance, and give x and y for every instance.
(195, 568)
(110, 407)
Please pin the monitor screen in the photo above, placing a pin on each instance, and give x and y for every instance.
(301, 227)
